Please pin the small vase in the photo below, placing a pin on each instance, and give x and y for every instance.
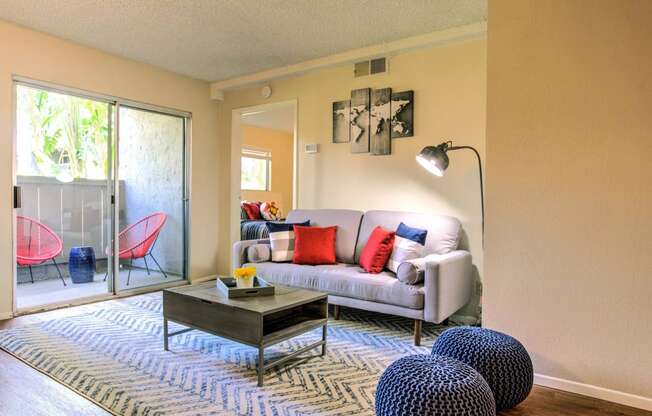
(244, 282)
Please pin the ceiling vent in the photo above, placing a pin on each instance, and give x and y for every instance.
(371, 67)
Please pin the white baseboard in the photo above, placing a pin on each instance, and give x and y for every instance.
(596, 392)
(6, 315)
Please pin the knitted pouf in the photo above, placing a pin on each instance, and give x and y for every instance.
(502, 360)
(419, 385)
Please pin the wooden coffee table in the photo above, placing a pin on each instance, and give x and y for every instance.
(259, 322)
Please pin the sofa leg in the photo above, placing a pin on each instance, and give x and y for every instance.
(336, 312)
(417, 332)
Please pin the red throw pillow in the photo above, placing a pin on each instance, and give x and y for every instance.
(376, 252)
(314, 245)
(253, 210)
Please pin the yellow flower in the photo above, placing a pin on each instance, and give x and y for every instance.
(245, 272)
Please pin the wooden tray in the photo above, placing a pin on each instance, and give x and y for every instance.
(227, 286)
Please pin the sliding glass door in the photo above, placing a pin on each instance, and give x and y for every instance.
(100, 195)
(151, 214)
(63, 187)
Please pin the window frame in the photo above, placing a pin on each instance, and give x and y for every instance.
(251, 152)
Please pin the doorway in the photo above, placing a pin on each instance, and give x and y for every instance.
(100, 196)
(264, 165)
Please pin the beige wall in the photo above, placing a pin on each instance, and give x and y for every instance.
(569, 187)
(35, 55)
(449, 87)
(280, 143)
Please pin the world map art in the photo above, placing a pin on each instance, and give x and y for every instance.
(360, 119)
(372, 118)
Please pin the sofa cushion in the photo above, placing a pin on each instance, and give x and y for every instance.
(345, 280)
(348, 225)
(444, 232)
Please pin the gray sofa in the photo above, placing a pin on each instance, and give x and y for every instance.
(447, 281)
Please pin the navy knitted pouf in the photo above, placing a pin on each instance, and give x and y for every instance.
(502, 360)
(419, 385)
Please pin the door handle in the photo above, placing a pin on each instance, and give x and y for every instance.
(18, 197)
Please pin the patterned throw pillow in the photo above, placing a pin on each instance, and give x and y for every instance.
(408, 244)
(281, 238)
(270, 211)
(243, 212)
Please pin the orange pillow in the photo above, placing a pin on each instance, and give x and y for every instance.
(376, 252)
(314, 245)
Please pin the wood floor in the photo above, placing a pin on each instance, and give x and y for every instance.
(26, 392)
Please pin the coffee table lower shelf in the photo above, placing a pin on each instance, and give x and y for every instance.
(257, 322)
(268, 341)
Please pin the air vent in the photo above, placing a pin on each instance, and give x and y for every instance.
(361, 69)
(312, 148)
(372, 67)
(378, 66)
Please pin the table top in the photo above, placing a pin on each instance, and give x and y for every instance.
(284, 298)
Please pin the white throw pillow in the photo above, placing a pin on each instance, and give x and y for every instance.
(259, 253)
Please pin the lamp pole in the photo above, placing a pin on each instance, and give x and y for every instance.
(481, 182)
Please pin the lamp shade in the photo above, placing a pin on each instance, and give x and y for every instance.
(434, 159)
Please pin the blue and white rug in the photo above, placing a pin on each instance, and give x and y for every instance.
(115, 358)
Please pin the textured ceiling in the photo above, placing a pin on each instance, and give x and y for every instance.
(279, 118)
(215, 40)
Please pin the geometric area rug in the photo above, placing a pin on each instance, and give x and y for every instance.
(115, 358)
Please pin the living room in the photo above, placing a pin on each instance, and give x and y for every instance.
(530, 118)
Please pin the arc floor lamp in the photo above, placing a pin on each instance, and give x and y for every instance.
(435, 160)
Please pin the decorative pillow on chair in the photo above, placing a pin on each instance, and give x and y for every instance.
(281, 238)
(270, 211)
(243, 212)
(376, 252)
(253, 210)
(408, 244)
(314, 245)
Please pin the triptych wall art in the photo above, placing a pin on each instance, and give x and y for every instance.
(372, 118)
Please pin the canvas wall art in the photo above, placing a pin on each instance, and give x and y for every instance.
(402, 109)
(380, 122)
(359, 122)
(341, 121)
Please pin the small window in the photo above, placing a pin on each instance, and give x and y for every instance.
(256, 169)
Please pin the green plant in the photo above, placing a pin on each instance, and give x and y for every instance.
(64, 133)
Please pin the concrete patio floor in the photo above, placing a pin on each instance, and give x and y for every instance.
(52, 291)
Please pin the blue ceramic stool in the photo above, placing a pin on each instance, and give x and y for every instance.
(501, 360)
(81, 264)
(419, 385)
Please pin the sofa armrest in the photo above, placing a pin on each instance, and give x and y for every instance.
(448, 284)
(239, 254)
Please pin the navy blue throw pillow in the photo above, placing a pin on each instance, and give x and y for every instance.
(415, 234)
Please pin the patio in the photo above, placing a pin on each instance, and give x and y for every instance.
(48, 289)
(67, 181)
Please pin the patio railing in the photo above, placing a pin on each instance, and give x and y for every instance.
(77, 211)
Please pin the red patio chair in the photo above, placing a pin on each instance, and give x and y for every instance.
(36, 244)
(137, 241)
